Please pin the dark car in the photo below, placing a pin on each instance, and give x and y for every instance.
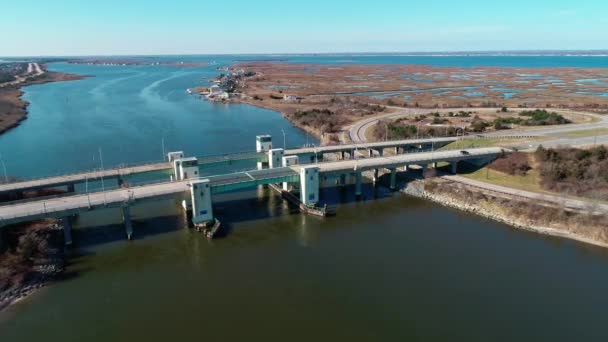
(466, 153)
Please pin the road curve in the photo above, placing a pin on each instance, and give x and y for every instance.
(557, 134)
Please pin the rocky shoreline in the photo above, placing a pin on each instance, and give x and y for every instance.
(418, 189)
(25, 281)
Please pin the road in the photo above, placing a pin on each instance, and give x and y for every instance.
(558, 200)
(65, 206)
(558, 135)
(399, 160)
(33, 70)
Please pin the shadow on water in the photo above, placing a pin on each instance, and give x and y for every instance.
(105, 234)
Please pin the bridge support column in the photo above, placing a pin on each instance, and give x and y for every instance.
(393, 178)
(434, 165)
(202, 206)
(380, 152)
(342, 155)
(309, 185)
(397, 149)
(67, 230)
(172, 157)
(375, 178)
(342, 181)
(370, 152)
(404, 168)
(424, 168)
(71, 188)
(120, 182)
(358, 181)
(126, 219)
(454, 167)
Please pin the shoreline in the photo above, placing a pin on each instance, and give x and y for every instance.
(45, 267)
(418, 190)
(14, 109)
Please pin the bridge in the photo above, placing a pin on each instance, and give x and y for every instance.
(305, 179)
(260, 155)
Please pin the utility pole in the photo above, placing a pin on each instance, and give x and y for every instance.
(4, 168)
(284, 139)
(103, 189)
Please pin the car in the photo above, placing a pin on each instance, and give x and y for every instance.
(466, 153)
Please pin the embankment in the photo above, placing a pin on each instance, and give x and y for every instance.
(31, 255)
(536, 217)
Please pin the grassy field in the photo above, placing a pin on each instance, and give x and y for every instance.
(587, 133)
(529, 182)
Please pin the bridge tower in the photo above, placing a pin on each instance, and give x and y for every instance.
(202, 205)
(263, 144)
(185, 168)
(275, 158)
(309, 185)
(289, 161)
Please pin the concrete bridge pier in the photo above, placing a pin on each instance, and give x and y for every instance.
(71, 188)
(202, 205)
(342, 155)
(434, 165)
(67, 230)
(120, 182)
(375, 177)
(454, 167)
(126, 219)
(380, 152)
(358, 180)
(342, 180)
(309, 185)
(393, 178)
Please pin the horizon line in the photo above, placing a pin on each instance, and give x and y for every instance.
(521, 52)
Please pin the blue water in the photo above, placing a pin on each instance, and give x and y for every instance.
(440, 61)
(127, 112)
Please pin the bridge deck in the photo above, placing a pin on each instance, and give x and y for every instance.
(406, 159)
(81, 177)
(64, 206)
(380, 144)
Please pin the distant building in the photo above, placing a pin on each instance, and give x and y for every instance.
(290, 98)
(215, 90)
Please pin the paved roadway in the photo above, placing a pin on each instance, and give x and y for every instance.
(64, 206)
(400, 160)
(557, 134)
(558, 200)
(224, 158)
(365, 145)
(33, 70)
(81, 177)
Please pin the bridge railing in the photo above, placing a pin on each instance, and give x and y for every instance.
(83, 171)
(82, 203)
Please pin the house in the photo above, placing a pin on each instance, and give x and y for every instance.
(215, 90)
(290, 97)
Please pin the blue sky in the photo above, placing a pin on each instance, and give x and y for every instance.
(30, 27)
